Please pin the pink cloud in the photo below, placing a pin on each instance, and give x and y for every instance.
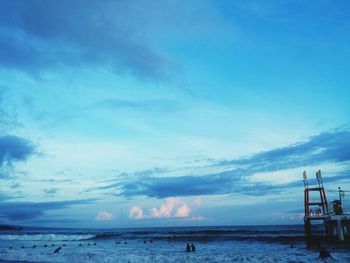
(136, 213)
(183, 211)
(173, 207)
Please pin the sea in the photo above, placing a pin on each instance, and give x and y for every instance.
(166, 244)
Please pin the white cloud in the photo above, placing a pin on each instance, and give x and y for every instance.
(173, 207)
(183, 211)
(197, 218)
(294, 174)
(136, 213)
(166, 209)
(104, 216)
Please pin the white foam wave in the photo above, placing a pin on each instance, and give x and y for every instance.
(47, 237)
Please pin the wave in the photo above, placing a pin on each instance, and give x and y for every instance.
(183, 237)
(210, 238)
(48, 237)
(245, 231)
(106, 236)
(171, 238)
(167, 234)
(220, 233)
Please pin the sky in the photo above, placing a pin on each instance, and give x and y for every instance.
(170, 113)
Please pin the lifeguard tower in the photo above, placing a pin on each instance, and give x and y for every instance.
(337, 221)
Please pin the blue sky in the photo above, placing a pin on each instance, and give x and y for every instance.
(169, 113)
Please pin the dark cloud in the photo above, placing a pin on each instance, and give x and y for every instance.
(29, 210)
(105, 187)
(15, 185)
(179, 186)
(222, 183)
(40, 35)
(343, 176)
(51, 192)
(13, 149)
(123, 176)
(326, 147)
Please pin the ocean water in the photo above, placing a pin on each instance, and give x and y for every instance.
(213, 244)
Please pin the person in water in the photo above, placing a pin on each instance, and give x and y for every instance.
(193, 248)
(57, 250)
(188, 248)
(324, 253)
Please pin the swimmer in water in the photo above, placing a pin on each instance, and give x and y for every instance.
(57, 250)
(193, 248)
(324, 253)
(188, 248)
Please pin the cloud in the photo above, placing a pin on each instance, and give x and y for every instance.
(141, 105)
(122, 176)
(183, 211)
(197, 218)
(51, 192)
(13, 149)
(21, 211)
(331, 146)
(43, 35)
(327, 147)
(136, 212)
(171, 208)
(104, 216)
(15, 185)
(162, 187)
(55, 181)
